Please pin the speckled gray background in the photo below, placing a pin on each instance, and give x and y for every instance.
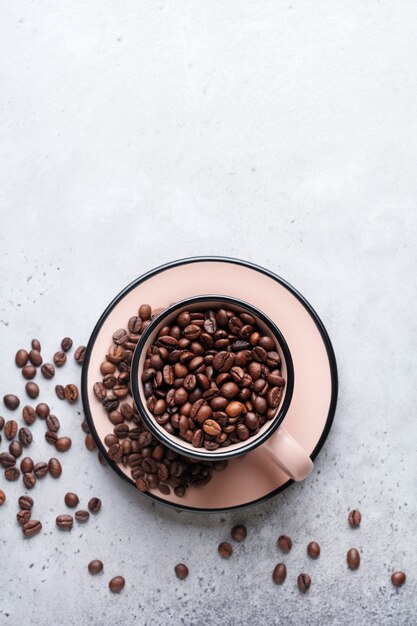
(134, 133)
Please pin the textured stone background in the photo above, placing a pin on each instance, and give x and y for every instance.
(134, 133)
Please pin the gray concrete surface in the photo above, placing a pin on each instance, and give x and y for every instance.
(284, 133)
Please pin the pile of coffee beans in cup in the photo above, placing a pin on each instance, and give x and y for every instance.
(213, 378)
(152, 465)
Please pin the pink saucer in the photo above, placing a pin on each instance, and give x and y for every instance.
(253, 477)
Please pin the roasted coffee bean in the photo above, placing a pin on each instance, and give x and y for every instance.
(284, 543)
(23, 516)
(36, 345)
(2, 497)
(107, 368)
(25, 437)
(55, 468)
(10, 429)
(94, 505)
(304, 582)
(62, 444)
(181, 571)
(95, 567)
(32, 390)
(11, 401)
(354, 518)
(398, 578)
(239, 533)
(26, 503)
(12, 473)
(353, 558)
(145, 311)
(35, 357)
(100, 390)
(212, 428)
(2, 422)
(66, 344)
(313, 550)
(29, 480)
(7, 459)
(26, 465)
(279, 573)
(21, 357)
(51, 437)
(225, 550)
(79, 354)
(60, 392)
(42, 409)
(52, 423)
(82, 516)
(29, 415)
(48, 371)
(84, 426)
(116, 584)
(40, 469)
(120, 336)
(64, 522)
(275, 379)
(142, 484)
(60, 358)
(15, 448)
(234, 409)
(90, 444)
(29, 371)
(71, 393)
(31, 527)
(71, 499)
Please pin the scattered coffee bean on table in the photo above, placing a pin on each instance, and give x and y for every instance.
(26, 503)
(81, 516)
(354, 518)
(48, 371)
(284, 543)
(279, 573)
(71, 499)
(29, 371)
(60, 358)
(25, 436)
(71, 393)
(116, 584)
(32, 390)
(2, 497)
(239, 533)
(29, 480)
(90, 444)
(304, 582)
(23, 516)
(21, 358)
(51, 437)
(95, 566)
(398, 579)
(36, 345)
(7, 459)
(79, 354)
(29, 415)
(40, 469)
(12, 473)
(62, 444)
(11, 401)
(181, 571)
(52, 423)
(2, 422)
(42, 409)
(31, 528)
(35, 357)
(313, 550)
(64, 522)
(26, 465)
(10, 429)
(94, 504)
(15, 448)
(353, 558)
(66, 344)
(225, 550)
(55, 468)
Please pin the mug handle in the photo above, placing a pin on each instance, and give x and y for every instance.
(287, 453)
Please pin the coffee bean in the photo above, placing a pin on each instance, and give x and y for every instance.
(234, 409)
(26, 465)
(2, 497)
(62, 444)
(145, 311)
(55, 468)
(26, 503)
(16, 449)
(353, 558)
(64, 522)
(25, 437)
(29, 415)
(239, 533)
(313, 550)
(81, 516)
(95, 567)
(79, 354)
(2, 422)
(284, 543)
(7, 459)
(11, 401)
(279, 573)
(60, 393)
(42, 409)
(142, 484)
(354, 518)
(94, 504)
(304, 582)
(52, 423)
(116, 584)
(29, 371)
(35, 357)
(36, 345)
(71, 499)
(66, 344)
(60, 358)
(398, 578)
(32, 390)
(90, 444)
(48, 371)
(225, 550)
(31, 528)
(21, 358)
(181, 571)
(10, 429)
(51, 437)
(23, 516)
(40, 469)
(29, 480)
(212, 428)
(71, 393)
(12, 473)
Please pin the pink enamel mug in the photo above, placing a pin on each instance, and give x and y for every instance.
(276, 442)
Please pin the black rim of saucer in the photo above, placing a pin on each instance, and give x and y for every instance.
(154, 272)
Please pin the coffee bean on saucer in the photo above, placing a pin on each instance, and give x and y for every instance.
(354, 518)
(95, 567)
(26, 465)
(353, 558)
(304, 582)
(313, 550)
(35, 357)
(239, 533)
(31, 528)
(15, 448)
(398, 578)
(12, 473)
(42, 409)
(225, 550)
(94, 504)
(79, 354)
(21, 358)
(181, 571)
(62, 444)
(23, 516)
(32, 390)
(71, 499)
(60, 392)
(66, 344)
(48, 371)
(71, 393)
(26, 503)
(2, 497)
(284, 543)
(60, 358)
(55, 468)
(10, 429)
(29, 371)
(279, 573)
(64, 522)
(40, 469)
(116, 584)
(81, 516)
(145, 311)
(11, 401)
(36, 345)
(29, 480)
